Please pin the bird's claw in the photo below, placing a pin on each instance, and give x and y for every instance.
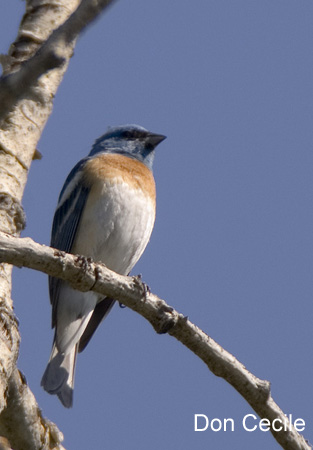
(144, 286)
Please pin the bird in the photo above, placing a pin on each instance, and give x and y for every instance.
(105, 211)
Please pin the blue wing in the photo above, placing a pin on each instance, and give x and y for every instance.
(65, 224)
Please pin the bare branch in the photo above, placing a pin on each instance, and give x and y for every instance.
(52, 54)
(27, 90)
(83, 274)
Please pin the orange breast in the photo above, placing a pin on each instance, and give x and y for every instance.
(109, 167)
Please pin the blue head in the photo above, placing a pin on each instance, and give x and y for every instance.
(129, 140)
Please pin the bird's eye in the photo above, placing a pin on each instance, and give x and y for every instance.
(128, 135)
(132, 134)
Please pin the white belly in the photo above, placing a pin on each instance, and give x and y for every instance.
(115, 226)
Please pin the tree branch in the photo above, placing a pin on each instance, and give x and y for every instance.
(52, 54)
(27, 90)
(83, 274)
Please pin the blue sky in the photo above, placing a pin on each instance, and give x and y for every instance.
(230, 84)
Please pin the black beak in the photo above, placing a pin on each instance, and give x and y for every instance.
(155, 139)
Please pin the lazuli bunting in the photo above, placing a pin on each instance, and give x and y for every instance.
(106, 211)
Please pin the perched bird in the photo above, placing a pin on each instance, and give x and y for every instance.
(106, 211)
